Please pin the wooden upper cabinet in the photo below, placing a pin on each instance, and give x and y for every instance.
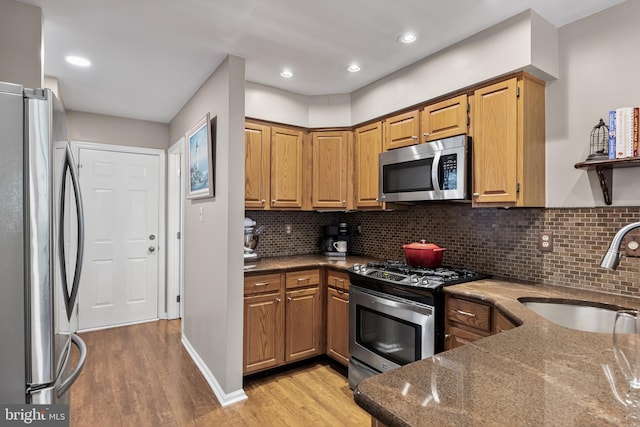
(444, 119)
(402, 130)
(330, 177)
(368, 146)
(495, 145)
(257, 160)
(509, 144)
(286, 168)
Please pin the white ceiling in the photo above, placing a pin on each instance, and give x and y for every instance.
(150, 56)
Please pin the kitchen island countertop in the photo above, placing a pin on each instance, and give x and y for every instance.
(538, 373)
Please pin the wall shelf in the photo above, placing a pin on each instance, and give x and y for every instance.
(604, 169)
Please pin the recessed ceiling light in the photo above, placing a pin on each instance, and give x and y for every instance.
(407, 38)
(286, 74)
(354, 68)
(78, 61)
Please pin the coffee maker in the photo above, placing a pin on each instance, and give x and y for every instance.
(335, 240)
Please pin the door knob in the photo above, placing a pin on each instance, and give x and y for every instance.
(152, 248)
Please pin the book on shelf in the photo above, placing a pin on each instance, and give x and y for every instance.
(612, 134)
(636, 113)
(624, 132)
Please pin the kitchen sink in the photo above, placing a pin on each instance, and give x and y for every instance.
(579, 315)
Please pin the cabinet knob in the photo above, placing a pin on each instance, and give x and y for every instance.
(273, 202)
(344, 202)
(263, 201)
(476, 195)
(289, 299)
(414, 137)
(447, 336)
(278, 300)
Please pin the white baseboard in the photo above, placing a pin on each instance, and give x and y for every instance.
(225, 399)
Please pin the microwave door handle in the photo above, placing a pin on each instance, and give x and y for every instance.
(435, 168)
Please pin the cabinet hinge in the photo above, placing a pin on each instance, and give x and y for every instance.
(518, 92)
(178, 298)
(517, 187)
(178, 235)
(468, 107)
(468, 120)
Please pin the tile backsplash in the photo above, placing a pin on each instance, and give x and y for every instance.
(501, 242)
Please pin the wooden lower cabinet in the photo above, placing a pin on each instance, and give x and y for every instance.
(338, 325)
(282, 319)
(263, 326)
(467, 321)
(303, 324)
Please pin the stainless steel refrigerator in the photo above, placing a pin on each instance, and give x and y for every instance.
(41, 243)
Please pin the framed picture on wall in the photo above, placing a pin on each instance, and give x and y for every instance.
(200, 160)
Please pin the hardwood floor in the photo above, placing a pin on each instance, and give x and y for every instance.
(141, 375)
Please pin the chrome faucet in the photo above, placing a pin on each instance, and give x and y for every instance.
(611, 259)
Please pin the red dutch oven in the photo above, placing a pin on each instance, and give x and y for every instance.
(423, 254)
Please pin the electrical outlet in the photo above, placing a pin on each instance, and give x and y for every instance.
(546, 241)
(287, 229)
(632, 244)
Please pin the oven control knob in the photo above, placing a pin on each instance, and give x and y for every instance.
(415, 279)
(356, 267)
(425, 281)
(363, 268)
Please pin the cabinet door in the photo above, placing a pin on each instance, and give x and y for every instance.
(445, 119)
(501, 322)
(457, 337)
(368, 146)
(330, 169)
(303, 328)
(286, 168)
(401, 130)
(338, 325)
(257, 159)
(495, 119)
(263, 332)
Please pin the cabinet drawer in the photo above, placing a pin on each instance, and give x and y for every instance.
(469, 313)
(338, 279)
(299, 279)
(262, 283)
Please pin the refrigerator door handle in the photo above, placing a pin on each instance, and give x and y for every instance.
(69, 165)
(78, 342)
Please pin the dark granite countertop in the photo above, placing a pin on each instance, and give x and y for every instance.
(536, 374)
(296, 262)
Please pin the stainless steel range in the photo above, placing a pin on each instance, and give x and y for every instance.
(396, 314)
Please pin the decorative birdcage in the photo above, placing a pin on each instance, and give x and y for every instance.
(599, 146)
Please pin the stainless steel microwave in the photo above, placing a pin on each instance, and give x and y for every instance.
(436, 170)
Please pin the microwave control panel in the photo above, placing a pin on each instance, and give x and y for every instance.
(449, 172)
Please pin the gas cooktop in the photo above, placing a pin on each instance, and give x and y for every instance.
(400, 273)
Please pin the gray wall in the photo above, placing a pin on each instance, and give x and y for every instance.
(103, 129)
(599, 65)
(21, 44)
(213, 273)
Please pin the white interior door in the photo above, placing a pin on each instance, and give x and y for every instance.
(120, 192)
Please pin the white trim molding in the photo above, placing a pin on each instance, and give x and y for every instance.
(225, 399)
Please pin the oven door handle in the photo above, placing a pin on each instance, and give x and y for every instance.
(435, 173)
